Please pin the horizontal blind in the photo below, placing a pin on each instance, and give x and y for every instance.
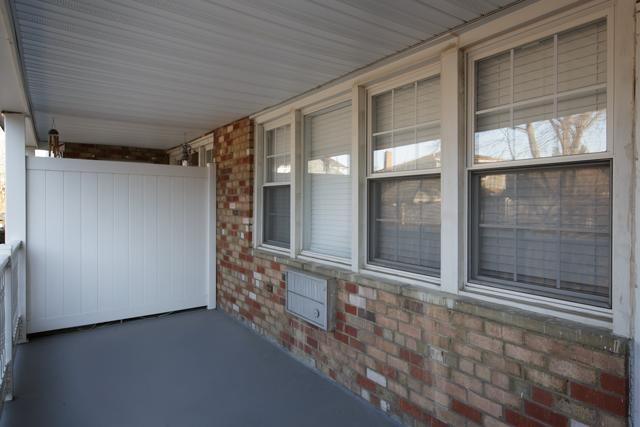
(543, 99)
(327, 186)
(277, 154)
(406, 127)
(405, 224)
(546, 230)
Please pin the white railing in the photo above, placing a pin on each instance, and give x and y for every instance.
(12, 327)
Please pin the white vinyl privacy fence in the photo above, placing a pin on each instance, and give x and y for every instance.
(114, 240)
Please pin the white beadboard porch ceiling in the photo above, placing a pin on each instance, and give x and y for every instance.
(144, 72)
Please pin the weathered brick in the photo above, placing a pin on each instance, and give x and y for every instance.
(484, 342)
(485, 405)
(572, 370)
(524, 355)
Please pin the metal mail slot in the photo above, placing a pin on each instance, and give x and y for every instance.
(312, 298)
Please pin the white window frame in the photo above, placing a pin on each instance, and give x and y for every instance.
(334, 102)
(425, 72)
(547, 305)
(260, 181)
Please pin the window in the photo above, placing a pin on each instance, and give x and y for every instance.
(539, 228)
(327, 182)
(404, 179)
(276, 187)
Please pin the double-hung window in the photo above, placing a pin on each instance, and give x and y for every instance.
(540, 168)
(276, 188)
(327, 183)
(404, 178)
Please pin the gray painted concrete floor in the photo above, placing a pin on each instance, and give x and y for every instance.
(195, 368)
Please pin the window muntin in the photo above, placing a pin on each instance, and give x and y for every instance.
(545, 99)
(545, 231)
(404, 224)
(406, 127)
(327, 182)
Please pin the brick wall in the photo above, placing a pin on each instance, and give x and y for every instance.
(425, 357)
(73, 150)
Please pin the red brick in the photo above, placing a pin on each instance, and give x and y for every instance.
(545, 414)
(350, 330)
(516, 419)
(615, 404)
(466, 411)
(413, 410)
(341, 337)
(352, 288)
(613, 383)
(351, 309)
(541, 396)
(410, 356)
(366, 383)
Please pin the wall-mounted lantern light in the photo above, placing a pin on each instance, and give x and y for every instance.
(54, 141)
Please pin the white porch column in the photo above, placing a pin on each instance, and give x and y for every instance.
(16, 198)
(452, 183)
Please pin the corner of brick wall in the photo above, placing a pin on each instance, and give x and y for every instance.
(73, 150)
(422, 362)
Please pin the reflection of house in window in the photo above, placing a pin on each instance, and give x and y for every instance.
(336, 165)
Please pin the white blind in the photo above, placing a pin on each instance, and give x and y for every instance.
(404, 229)
(406, 127)
(277, 154)
(546, 230)
(543, 99)
(327, 185)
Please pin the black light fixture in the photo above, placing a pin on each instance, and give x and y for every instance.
(54, 141)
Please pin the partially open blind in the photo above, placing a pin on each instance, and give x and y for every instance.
(545, 230)
(543, 99)
(327, 190)
(406, 127)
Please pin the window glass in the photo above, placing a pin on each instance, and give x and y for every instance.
(276, 208)
(277, 154)
(406, 127)
(545, 230)
(327, 182)
(545, 99)
(404, 230)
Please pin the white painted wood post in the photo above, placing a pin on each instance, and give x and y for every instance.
(452, 182)
(211, 237)
(16, 202)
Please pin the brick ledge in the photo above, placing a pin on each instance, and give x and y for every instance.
(598, 338)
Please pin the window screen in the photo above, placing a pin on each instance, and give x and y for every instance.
(546, 231)
(406, 127)
(327, 182)
(276, 205)
(547, 98)
(404, 224)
